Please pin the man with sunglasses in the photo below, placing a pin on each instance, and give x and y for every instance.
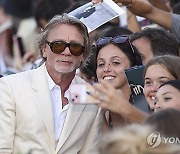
(36, 115)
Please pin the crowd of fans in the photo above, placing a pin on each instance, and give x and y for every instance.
(108, 51)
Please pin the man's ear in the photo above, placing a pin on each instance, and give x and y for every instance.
(82, 59)
(43, 50)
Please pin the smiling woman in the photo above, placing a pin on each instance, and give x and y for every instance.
(158, 71)
(114, 55)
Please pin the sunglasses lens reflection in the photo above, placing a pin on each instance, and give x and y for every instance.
(58, 47)
(120, 39)
(105, 40)
(76, 49)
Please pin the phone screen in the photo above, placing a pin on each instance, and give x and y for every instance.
(135, 79)
(78, 94)
(21, 46)
(17, 40)
(135, 75)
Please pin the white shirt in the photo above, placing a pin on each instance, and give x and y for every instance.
(59, 113)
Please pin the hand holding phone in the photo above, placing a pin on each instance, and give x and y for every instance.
(79, 94)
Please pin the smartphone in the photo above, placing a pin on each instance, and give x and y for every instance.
(135, 75)
(136, 82)
(21, 46)
(78, 94)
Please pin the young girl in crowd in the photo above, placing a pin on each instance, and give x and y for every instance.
(159, 70)
(168, 95)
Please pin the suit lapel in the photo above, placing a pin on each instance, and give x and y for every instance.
(73, 115)
(43, 101)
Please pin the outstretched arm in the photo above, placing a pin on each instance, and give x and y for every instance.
(145, 9)
(132, 22)
(115, 101)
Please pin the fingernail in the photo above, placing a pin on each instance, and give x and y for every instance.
(88, 92)
(91, 83)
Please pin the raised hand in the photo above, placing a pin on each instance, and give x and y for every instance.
(111, 98)
(116, 101)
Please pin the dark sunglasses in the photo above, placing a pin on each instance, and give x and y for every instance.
(59, 46)
(117, 40)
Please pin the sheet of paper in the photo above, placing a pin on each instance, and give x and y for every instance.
(93, 16)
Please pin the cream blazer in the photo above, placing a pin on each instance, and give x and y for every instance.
(26, 118)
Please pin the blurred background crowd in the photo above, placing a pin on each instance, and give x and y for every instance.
(21, 20)
(146, 43)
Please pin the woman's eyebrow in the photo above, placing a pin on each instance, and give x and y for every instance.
(167, 93)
